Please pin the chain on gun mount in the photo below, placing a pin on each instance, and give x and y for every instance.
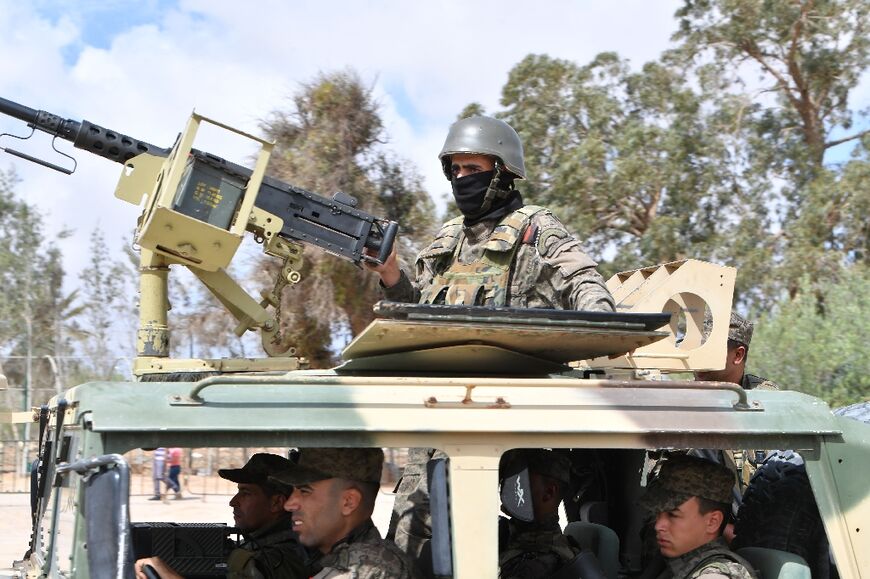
(198, 208)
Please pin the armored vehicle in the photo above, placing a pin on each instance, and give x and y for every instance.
(472, 382)
(474, 386)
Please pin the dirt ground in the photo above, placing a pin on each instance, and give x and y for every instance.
(192, 508)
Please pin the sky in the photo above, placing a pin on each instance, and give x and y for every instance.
(140, 68)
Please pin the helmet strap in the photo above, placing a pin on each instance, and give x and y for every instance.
(497, 189)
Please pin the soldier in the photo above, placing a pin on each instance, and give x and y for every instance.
(499, 252)
(538, 548)
(334, 492)
(742, 462)
(690, 500)
(271, 549)
(739, 337)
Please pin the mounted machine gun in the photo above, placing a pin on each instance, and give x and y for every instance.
(197, 209)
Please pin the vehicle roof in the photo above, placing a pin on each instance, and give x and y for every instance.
(335, 408)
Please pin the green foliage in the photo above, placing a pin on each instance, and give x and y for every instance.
(33, 309)
(471, 110)
(809, 54)
(106, 321)
(716, 150)
(817, 342)
(331, 140)
(628, 159)
(780, 76)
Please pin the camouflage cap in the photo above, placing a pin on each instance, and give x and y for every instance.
(681, 478)
(257, 470)
(739, 328)
(358, 464)
(538, 460)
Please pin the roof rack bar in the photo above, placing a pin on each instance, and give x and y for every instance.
(195, 396)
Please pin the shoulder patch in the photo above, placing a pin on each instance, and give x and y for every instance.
(530, 237)
(546, 237)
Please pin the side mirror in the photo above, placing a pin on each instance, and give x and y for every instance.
(107, 515)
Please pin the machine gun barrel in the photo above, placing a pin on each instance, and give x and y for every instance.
(334, 225)
(83, 135)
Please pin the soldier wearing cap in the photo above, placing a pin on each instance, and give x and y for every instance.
(690, 501)
(534, 548)
(741, 462)
(739, 337)
(271, 549)
(333, 497)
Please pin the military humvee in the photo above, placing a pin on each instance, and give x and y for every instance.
(473, 382)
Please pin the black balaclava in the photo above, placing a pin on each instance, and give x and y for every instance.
(486, 195)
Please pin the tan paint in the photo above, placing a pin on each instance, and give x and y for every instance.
(183, 238)
(152, 338)
(681, 287)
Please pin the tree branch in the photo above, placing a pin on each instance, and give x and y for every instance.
(830, 144)
(791, 61)
(753, 51)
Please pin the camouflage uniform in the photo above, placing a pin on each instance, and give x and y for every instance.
(752, 382)
(744, 462)
(535, 550)
(525, 260)
(713, 560)
(411, 524)
(363, 554)
(273, 552)
(679, 479)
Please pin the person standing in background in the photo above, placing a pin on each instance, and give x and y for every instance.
(173, 483)
(158, 472)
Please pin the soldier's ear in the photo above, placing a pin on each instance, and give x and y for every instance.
(351, 498)
(739, 354)
(714, 521)
(276, 503)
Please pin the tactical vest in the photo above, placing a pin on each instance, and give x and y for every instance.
(241, 563)
(237, 563)
(485, 281)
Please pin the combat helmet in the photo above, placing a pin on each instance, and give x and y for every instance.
(486, 136)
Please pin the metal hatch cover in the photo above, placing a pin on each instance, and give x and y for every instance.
(465, 359)
(445, 333)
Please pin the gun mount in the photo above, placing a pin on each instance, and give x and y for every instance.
(197, 209)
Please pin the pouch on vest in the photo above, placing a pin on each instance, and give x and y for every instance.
(237, 561)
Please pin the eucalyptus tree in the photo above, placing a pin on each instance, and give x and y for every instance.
(784, 77)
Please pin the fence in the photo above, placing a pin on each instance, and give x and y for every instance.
(198, 472)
